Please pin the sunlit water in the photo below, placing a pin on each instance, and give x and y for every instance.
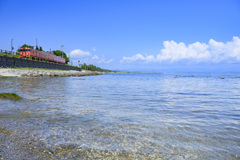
(168, 116)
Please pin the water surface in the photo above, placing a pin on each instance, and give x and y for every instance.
(122, 116)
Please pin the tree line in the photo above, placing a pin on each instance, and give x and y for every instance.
(92, 67)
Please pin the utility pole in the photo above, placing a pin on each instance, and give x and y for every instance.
(36, 42)
(69, 57)
(12, 46)
(62, 50)
(18, 50)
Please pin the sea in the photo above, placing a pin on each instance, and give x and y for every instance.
(122, 116)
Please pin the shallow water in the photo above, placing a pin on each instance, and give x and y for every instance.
(122, 116)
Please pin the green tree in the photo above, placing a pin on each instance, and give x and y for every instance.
(40, 48)
(26, 46)
(36, 48)
(59, 53)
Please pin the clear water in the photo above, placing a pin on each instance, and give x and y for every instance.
(145, 116)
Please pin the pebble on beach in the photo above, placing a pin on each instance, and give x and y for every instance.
(44, 73)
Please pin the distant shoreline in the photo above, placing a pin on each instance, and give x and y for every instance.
(135, 72)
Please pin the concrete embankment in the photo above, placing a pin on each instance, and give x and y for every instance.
(43, 73)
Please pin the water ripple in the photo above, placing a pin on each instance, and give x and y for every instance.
(123, 115)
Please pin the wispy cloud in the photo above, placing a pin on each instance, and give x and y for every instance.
(105, 61)
(95, 57)
(213, 52)
(138, 57)
(101, 59)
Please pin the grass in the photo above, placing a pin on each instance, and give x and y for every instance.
(9, 54)
(40, 69)
(10, 96)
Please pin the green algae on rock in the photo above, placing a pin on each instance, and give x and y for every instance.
(3, 77)
(5, 131)
(10, 96)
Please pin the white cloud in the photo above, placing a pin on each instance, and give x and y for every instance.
(85, 57)
(138, 57)
(95, 57)
(77, 53)
(179, 51)
(213, 52)
(94, 49)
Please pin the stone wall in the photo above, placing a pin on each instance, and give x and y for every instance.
(11, 62)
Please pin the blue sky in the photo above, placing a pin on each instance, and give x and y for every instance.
(134, 35)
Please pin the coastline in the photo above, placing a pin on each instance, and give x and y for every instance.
(9, 72)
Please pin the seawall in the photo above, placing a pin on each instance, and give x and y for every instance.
(12, 62)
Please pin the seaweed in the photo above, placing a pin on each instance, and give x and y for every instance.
(10, 96)
(3, 77)
(5, 131)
